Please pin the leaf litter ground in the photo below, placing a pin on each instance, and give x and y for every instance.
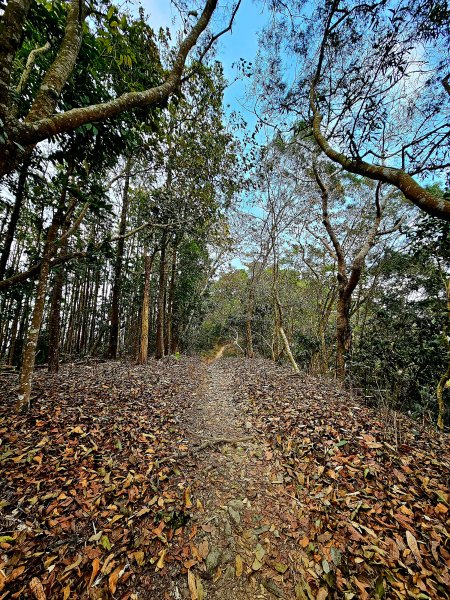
(233, 479)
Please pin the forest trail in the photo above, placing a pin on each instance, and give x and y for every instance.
(232, 483)
(228, 480)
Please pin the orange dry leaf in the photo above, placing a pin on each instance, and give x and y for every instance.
(187, 498)
(239, 566)
(160, 563)
(113, 580)
(203, 549)
(95, 570)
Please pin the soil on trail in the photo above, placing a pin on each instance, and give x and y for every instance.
(226, 480)
(239, 512)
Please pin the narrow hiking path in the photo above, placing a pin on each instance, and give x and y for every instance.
(225, 480)
(236, 527)
(244, 507)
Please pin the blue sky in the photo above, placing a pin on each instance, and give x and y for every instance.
(241, 42)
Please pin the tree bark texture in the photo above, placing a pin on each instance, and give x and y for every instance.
(117, 281)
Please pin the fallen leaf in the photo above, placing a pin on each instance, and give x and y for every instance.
(192, 584)
(37, 590)
(160, 563)
(203, 549)
(187, 498)
(113, 579)
(412, 543)
(95, 570)
(239, 566)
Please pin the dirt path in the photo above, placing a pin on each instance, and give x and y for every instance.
(238, 531)
(228, 480)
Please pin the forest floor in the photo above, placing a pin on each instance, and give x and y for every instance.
(226, 480)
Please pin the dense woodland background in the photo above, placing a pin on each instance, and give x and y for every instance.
(162, 224)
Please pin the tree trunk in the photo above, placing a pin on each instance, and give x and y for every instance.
(26, 374)
(13, 338)
(117, 282)
(170, 301)
(288, 351)
(10, 232)
(248, 325)
(159, 349)
(343, 334)
(55, 321)
(445, 378)
(145, 311)
(54, 318)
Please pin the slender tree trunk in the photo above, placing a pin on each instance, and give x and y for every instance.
(26, 374)
(248, 324)
(171, 293)
(117, 281)
(159, 349)
(12, 343)
(145, 311)
(54, 319)
(12, 225)
(279, 316)
(343, 334)
(288, 351)
(445, 378)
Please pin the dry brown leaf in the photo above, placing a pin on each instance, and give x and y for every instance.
(203, 549)
(37, 590)
(139, 557)
(74, 565)
(239, 566)
(412, 543)
(192, 585)
(187, 498)
(15, 573)
(362, 588)
(113, 580)
(95, 570)
(160, 563)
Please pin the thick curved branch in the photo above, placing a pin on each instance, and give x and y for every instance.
(32, 133)
(418, 195)
(29, 66)
(60, 70)
(216, 36)
(327, 223)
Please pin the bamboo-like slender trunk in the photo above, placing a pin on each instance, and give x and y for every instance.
(159, 349)
(145, 311)
(26, 375)
(117, 281)
(170, 302)
(14, 219)
(445, 378)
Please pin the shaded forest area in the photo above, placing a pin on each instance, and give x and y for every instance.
(190, 284)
